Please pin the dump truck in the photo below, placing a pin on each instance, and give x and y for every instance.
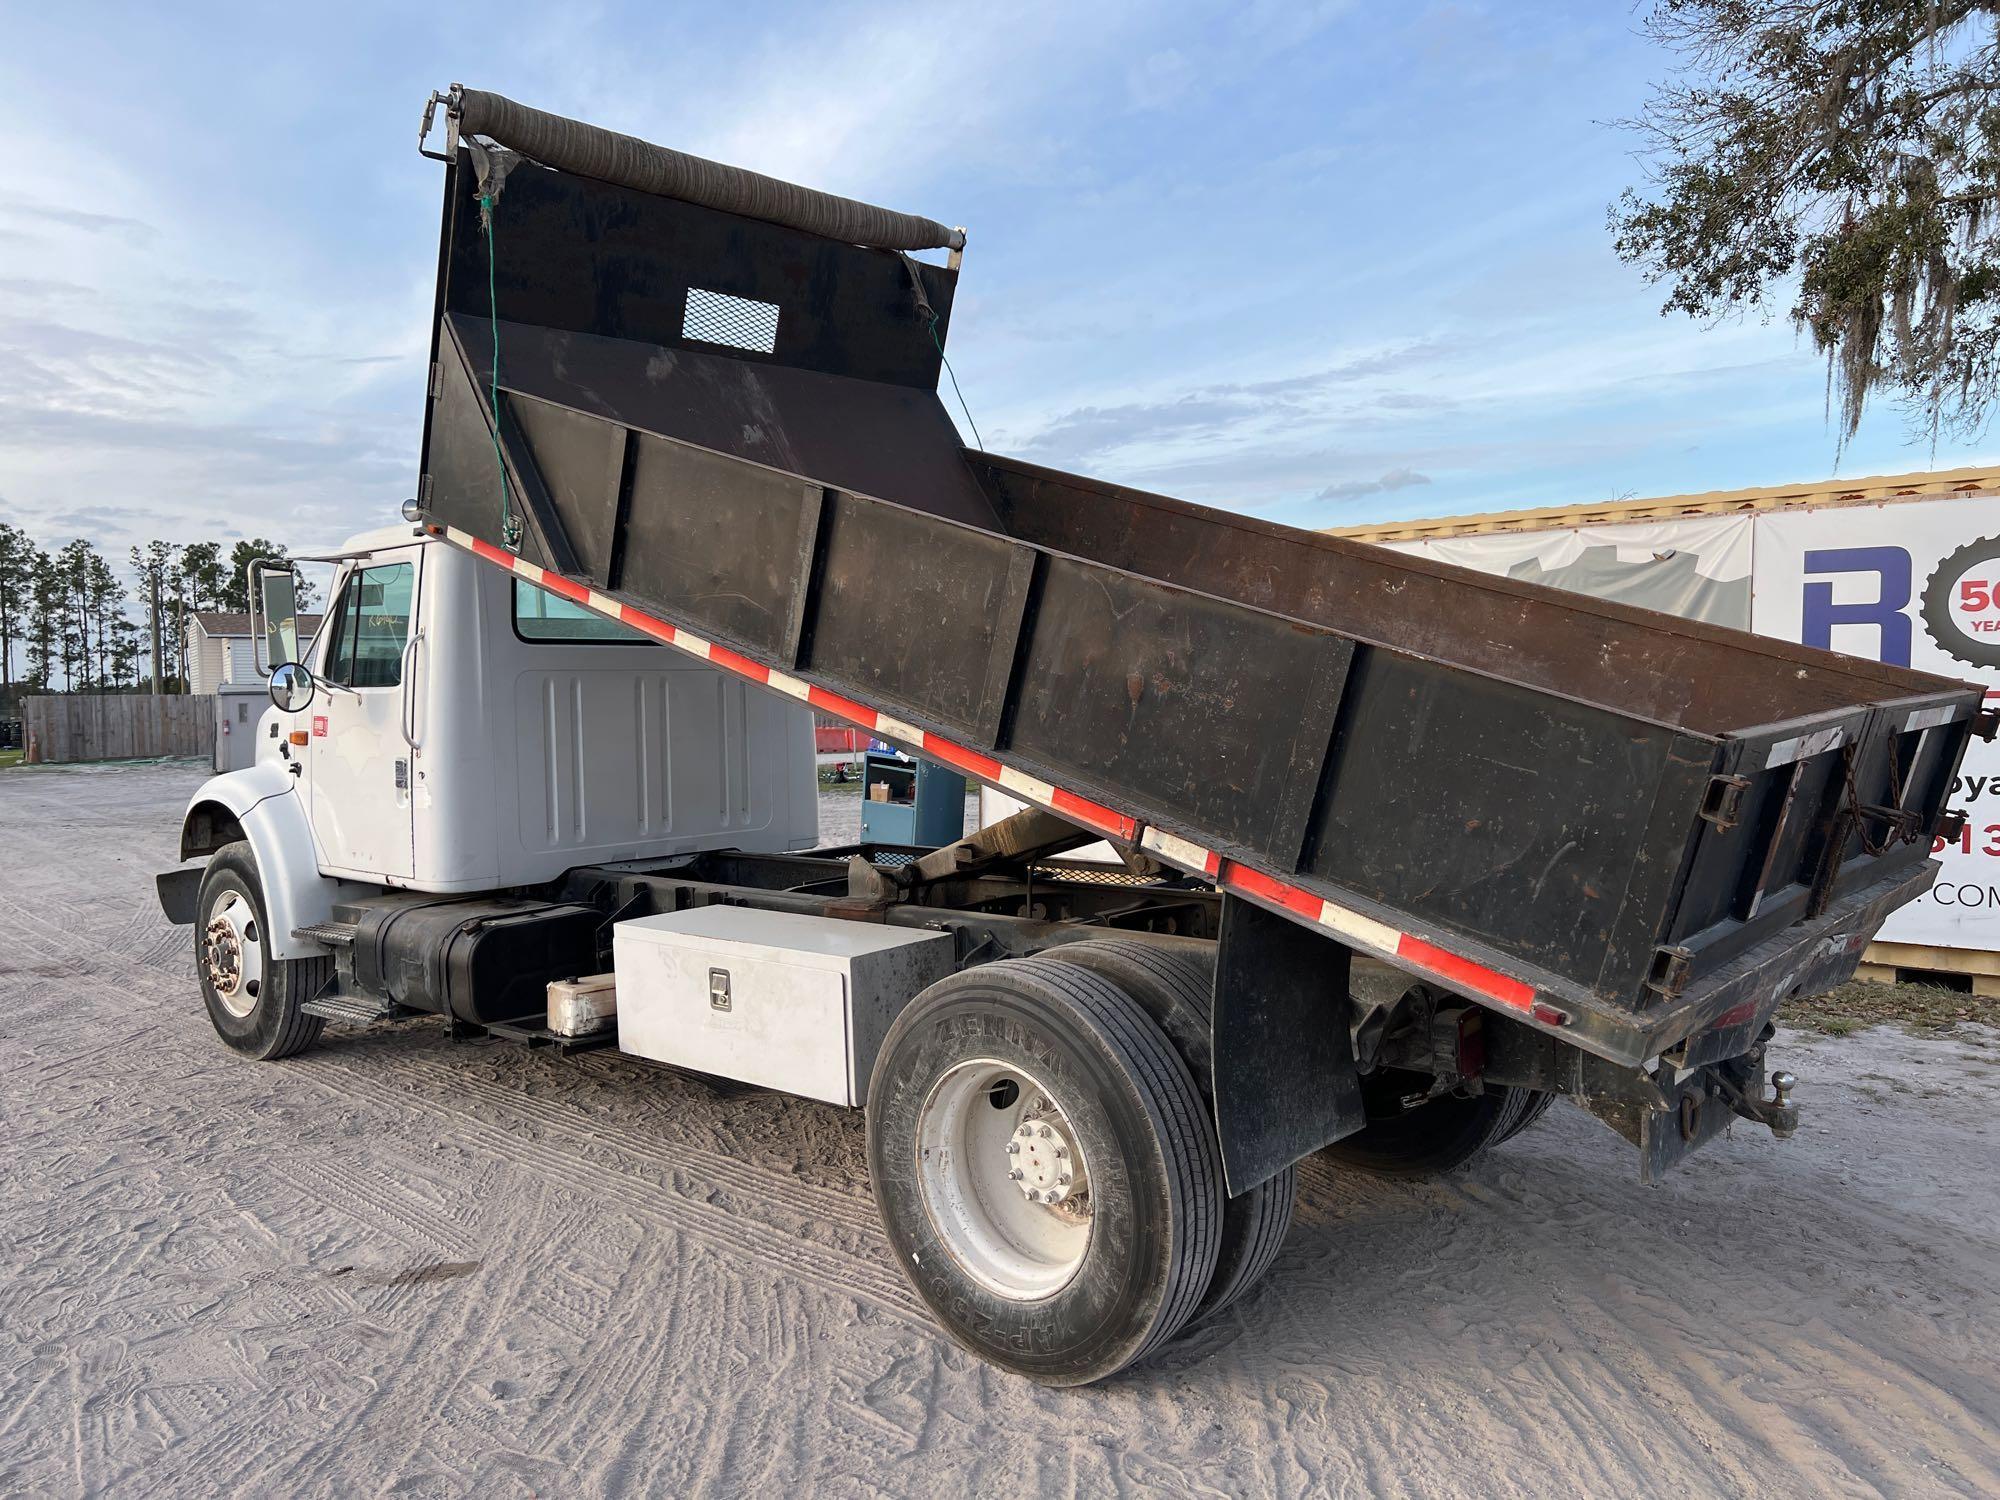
(546, 774)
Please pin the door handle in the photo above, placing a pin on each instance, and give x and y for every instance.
(409, 706)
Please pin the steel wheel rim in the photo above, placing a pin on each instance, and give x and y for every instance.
(232, 953)
(1018, 1221)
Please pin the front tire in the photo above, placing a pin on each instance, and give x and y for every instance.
(253, 999)
(1044, 1168)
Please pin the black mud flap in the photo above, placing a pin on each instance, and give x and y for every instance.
(179, 891)
(1285, 1083)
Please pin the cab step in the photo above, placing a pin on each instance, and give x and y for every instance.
(329, 933)
(354, 1010)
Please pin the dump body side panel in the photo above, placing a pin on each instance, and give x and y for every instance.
(1500, 787)
(1703, 677)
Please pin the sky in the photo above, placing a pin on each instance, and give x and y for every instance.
(1324, 263)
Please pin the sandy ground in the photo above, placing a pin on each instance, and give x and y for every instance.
(395, 1265)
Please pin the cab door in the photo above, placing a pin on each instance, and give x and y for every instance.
(357, 758)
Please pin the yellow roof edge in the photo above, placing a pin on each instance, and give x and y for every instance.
(1868, 490)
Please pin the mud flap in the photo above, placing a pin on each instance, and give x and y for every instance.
(1285, 1083)
(179, 891)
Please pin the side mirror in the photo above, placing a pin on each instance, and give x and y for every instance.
(292, 686)
(278, 591)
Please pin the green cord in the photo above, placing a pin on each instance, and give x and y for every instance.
(510, 528)
(954, 385)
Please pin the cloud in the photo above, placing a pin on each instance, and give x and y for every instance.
(1241, 408)
(1160, 79)
(14, 206)
(1354, 489)
(911, 96)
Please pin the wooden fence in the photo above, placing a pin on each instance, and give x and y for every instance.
(116, 726)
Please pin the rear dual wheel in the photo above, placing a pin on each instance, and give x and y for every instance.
(1045, 1169)
(1177, 989)
(1413, 1134)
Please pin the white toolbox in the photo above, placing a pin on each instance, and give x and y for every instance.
(774, 998)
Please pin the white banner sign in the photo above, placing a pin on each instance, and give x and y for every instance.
(1916, 583)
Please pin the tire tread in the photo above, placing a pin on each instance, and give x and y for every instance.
(1194, 1166)
(1257, 1222)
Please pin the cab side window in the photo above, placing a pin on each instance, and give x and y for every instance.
(369, 625)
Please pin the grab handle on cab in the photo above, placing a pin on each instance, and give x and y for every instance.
(409, 714)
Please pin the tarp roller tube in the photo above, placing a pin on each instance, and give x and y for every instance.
(608, 156)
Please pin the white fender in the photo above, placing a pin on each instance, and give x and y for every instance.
(263, 801)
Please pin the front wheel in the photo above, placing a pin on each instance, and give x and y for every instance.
(253, 999)
(1044, 1169)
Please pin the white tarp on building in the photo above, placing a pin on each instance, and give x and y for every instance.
(1698, 568)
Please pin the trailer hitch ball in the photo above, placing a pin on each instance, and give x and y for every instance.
(1784, 1120)
(1777, 1112)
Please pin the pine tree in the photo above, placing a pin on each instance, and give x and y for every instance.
(73, 565)
(17, 582)
(236, 594)
(154, 565)
(105, 597)
(47, 650)
(128, 644)
(207, 583)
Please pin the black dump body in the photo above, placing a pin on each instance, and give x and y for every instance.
(1625, 827)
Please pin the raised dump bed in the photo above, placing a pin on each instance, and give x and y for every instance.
(1619, 826)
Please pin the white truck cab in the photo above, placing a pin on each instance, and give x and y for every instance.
(463, 730)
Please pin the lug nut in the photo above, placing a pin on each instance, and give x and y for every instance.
(1017, 1174)
(1042, 1131)
(1061, 1151)
(1063, 1181)
(1013, 1148)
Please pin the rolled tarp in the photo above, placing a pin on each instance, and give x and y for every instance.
(589, 151)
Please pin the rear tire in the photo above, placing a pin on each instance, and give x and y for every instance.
(1436, 1136)
(253, 999)
(1050, 1055)
(1539, 1101)
(1177, 989)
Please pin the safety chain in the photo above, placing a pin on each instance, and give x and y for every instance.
(1905, 826)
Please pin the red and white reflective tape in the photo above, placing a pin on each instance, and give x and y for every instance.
(1351, 926)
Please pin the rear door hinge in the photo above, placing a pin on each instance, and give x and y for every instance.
(1672, 965)
(1722, 802)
